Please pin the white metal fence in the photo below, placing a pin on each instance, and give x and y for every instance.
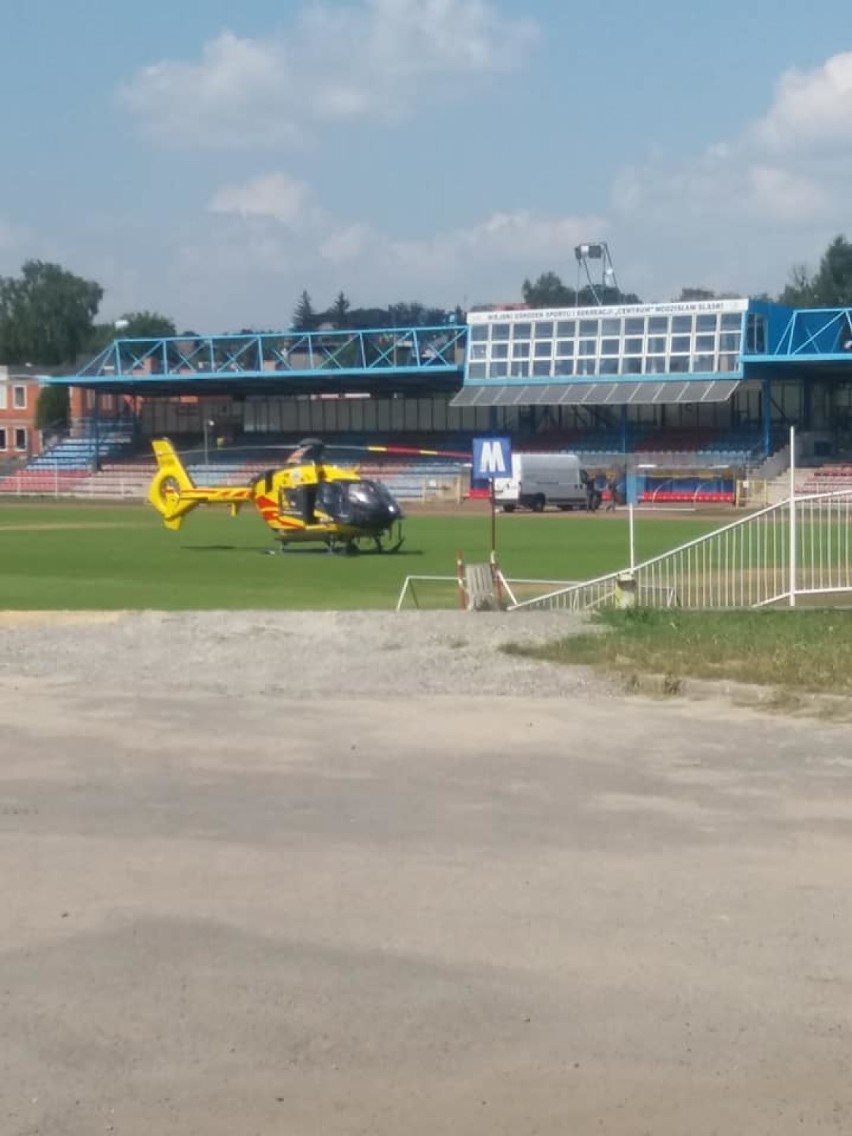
(800, 547)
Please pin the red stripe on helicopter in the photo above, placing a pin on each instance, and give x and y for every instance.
(407, 450)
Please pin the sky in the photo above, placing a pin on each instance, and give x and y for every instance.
(211, 160)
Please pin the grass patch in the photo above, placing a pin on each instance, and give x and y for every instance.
(807, 651)
(107, 557)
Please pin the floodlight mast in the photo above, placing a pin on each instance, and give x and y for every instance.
(595, 252)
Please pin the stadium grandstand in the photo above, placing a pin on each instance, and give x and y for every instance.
(696, 395)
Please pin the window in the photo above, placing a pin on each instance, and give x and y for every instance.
(20, 398)
(705, 323)
(522, 331)
(20, 438)
(521, 350)
(479, 332)
(476, 371)
(634, 326)
(2, 439)
(499, 350)
(589, 327)
(633, 346)
(477, 351)
(681, 324)
(566, 327)
(611, 327)
(680, 344)
(544, 329)
(500, 331)
(543, 348)
(609, 347)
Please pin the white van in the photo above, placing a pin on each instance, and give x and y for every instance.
(539, 480)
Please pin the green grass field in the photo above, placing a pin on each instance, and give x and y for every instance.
(79, 556)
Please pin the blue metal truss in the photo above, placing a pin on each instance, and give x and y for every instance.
(411, 351)
(812, 334)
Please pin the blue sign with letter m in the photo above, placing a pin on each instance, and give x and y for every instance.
(492, 457)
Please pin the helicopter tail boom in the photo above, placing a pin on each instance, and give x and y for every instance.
(174, 494)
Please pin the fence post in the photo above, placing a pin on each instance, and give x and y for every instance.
(793, 551)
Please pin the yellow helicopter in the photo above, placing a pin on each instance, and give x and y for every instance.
(306, 500)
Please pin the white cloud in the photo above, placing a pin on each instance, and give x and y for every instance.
(276, 196)
(374, 59)
(745, 209)
(812, 109)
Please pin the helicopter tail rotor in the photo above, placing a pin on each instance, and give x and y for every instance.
(170, 485)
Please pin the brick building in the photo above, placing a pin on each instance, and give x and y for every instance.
(19, 389)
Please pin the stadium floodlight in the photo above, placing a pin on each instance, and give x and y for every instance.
(597, 251)
(121, 324)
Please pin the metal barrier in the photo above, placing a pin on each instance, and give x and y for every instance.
(799, 547)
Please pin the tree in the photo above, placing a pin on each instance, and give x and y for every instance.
(52, 407)
(339, 311)
(140, 325)
(831, 284)
(304, 317)
(548, 291)
(46, 314)
(689, 295)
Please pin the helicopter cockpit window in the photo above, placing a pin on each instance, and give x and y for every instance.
(329, 497)
(364, 493)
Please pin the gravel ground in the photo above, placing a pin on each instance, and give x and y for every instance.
(363, 875)
(298, 654)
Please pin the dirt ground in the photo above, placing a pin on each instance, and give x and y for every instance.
(351, 874)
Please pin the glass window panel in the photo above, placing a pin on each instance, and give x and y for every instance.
(655, 365)
(729, 341)
(563, 367)
(680, 344)
(544, 329)
(498, 370)
(633, 346)
(634, 326)
(565, 347)
(587, 366)
(544, 348)
(521, 350)
(589, 327)
(479, 332)
(476, 370)
(522, 331)
(658, 323)
(704, 363)
(588, 346)
(656, 344)
(678, 364)
(566, 327)
(519, 368)
(543, 368)
(477, 351)
(499, 350)
(632, 366)
(705, 343)
(608, 367)
(681, 324)
(732, 321)
(705, 323)
(609, 347)
(611, 327)
(500, 331)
